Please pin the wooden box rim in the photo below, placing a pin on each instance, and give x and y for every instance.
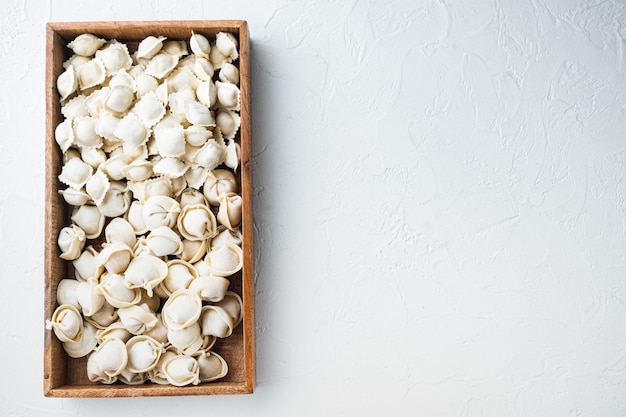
(54, 384)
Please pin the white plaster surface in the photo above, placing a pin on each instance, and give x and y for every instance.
(440, 207)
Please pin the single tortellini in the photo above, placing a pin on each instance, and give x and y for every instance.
(181, 309)
(197, 222)
(71, 242)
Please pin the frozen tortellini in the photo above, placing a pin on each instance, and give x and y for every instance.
(150, 152)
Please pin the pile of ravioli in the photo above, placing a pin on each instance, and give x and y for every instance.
(150, 158)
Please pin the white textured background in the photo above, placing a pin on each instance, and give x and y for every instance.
(440, 207)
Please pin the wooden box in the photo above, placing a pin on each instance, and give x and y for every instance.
(67, 377)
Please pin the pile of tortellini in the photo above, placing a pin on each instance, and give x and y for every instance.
(150, 158)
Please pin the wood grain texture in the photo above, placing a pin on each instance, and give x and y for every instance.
(247, 220)
(66, 377)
